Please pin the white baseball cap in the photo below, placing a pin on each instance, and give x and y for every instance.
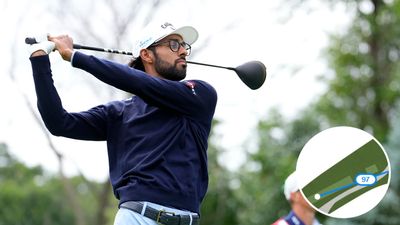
(291, 185)
(155, 33)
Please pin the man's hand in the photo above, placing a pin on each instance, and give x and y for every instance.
(64, 46)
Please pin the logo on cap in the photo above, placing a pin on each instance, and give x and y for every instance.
(165, 25)
(145, 42)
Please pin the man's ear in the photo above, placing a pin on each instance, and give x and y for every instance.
(294, 196)
(146, 55)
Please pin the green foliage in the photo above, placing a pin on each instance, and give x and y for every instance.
(29, 196)
(365, 61)
(263, 175)
(219, 206)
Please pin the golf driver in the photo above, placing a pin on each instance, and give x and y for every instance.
(251, 73)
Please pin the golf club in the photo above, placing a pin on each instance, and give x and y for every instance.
(251, 73)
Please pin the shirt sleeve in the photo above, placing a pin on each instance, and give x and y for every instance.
(87, 125)
(195, 98)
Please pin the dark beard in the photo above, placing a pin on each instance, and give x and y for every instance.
(168, 71)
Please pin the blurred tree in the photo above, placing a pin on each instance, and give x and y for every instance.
(30, 196)
(219, 206)
(365, 86)
(261, 178)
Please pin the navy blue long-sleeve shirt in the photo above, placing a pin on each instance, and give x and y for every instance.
(156, 140)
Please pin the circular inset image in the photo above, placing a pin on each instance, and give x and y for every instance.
(343, 172)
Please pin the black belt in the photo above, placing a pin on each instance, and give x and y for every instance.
(161, 216)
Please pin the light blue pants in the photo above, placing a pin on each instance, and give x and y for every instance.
(129, 217)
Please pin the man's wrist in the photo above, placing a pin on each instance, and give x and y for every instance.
(72, 57)
(67, 54)
(38, 53)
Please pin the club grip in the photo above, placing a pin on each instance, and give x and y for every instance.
(30, 41)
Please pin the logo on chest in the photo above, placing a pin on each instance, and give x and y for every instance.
(191, 85)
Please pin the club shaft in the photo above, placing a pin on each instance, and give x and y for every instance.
(31, 41)
(76, 46)
(205, 64)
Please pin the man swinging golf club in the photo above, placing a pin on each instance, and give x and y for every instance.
(157, 140)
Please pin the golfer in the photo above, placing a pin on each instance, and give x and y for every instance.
(157, 139)
(302, 213)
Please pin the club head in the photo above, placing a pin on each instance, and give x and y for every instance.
(252, 73)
